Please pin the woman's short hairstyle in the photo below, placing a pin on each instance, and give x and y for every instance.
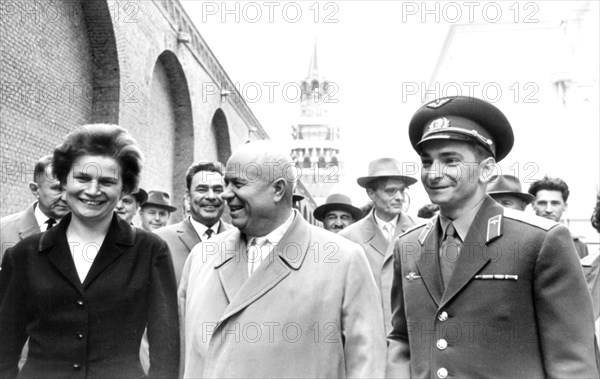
(100, 139)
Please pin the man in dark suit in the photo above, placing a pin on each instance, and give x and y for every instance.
(276, 297)
(551, 195)
(41, 215)
(204, 182)
(481, 290)
(386, 187)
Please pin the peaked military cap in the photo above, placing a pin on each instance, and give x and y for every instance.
(465, 119)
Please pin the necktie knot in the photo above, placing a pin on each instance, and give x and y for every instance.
(209, 232)
(258, 241)
(451, 231)
(50, 222)
(255, 253)
(389, 229)
(449, 252)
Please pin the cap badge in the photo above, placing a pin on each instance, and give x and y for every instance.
(439, 123)
(437, 103)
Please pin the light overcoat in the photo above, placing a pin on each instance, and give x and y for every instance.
(311, 309)
(18, 226)
(367, 234)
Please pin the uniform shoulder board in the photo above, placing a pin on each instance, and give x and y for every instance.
(415, 227)
(540, 222)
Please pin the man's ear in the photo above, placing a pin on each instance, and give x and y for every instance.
(489, 169)
(279, 189)
(370, 193)
(34, 188)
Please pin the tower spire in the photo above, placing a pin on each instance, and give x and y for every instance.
(313, 69)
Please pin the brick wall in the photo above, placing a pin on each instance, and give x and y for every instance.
(46, 87)
(102, 58)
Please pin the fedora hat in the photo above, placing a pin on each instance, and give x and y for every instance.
(140, 196)
(159, 199)
(384, 168)
(337, 202)
(508, 185)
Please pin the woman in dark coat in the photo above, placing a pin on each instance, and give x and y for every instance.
(84, 291)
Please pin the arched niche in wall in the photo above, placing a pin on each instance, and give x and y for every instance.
(106, 86)
(221, 131)
(171, 145)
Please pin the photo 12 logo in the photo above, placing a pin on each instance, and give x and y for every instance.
(254, 92)
(270, 11)
(470, 12)
(489, 91)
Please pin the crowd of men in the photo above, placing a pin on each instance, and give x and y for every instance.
(474, 287)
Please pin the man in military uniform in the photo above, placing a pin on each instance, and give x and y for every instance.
(481, 290)
(551, 195)
(506, 190)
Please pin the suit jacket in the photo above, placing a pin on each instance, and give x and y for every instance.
(516, 306)
(310, 310)
(91, 329)
(182, 238)
(17, 226)
(367, 234)
(591, 268)
(581, 247)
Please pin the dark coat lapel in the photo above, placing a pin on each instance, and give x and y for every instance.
(473, 256)
(428, 260)
(187, 234)
(289, 253)
(120, 236)
(54, 244)
(373, 236)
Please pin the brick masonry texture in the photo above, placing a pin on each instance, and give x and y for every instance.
(67, 63)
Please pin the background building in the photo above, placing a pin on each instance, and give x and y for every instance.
(540, 67)
(315, 146)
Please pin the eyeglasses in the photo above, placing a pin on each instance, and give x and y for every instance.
(391, 191)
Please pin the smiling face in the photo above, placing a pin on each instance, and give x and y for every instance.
(93, 188)
(453, 176)
(336, 220)
(49, 192)
(154, 217)
(250, 196)
(204, 196)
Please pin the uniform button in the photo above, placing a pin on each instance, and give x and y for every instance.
(441, 344)
(443, 316)
(442, 373)
(80, 303)
(76, 366)
(79, 334)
